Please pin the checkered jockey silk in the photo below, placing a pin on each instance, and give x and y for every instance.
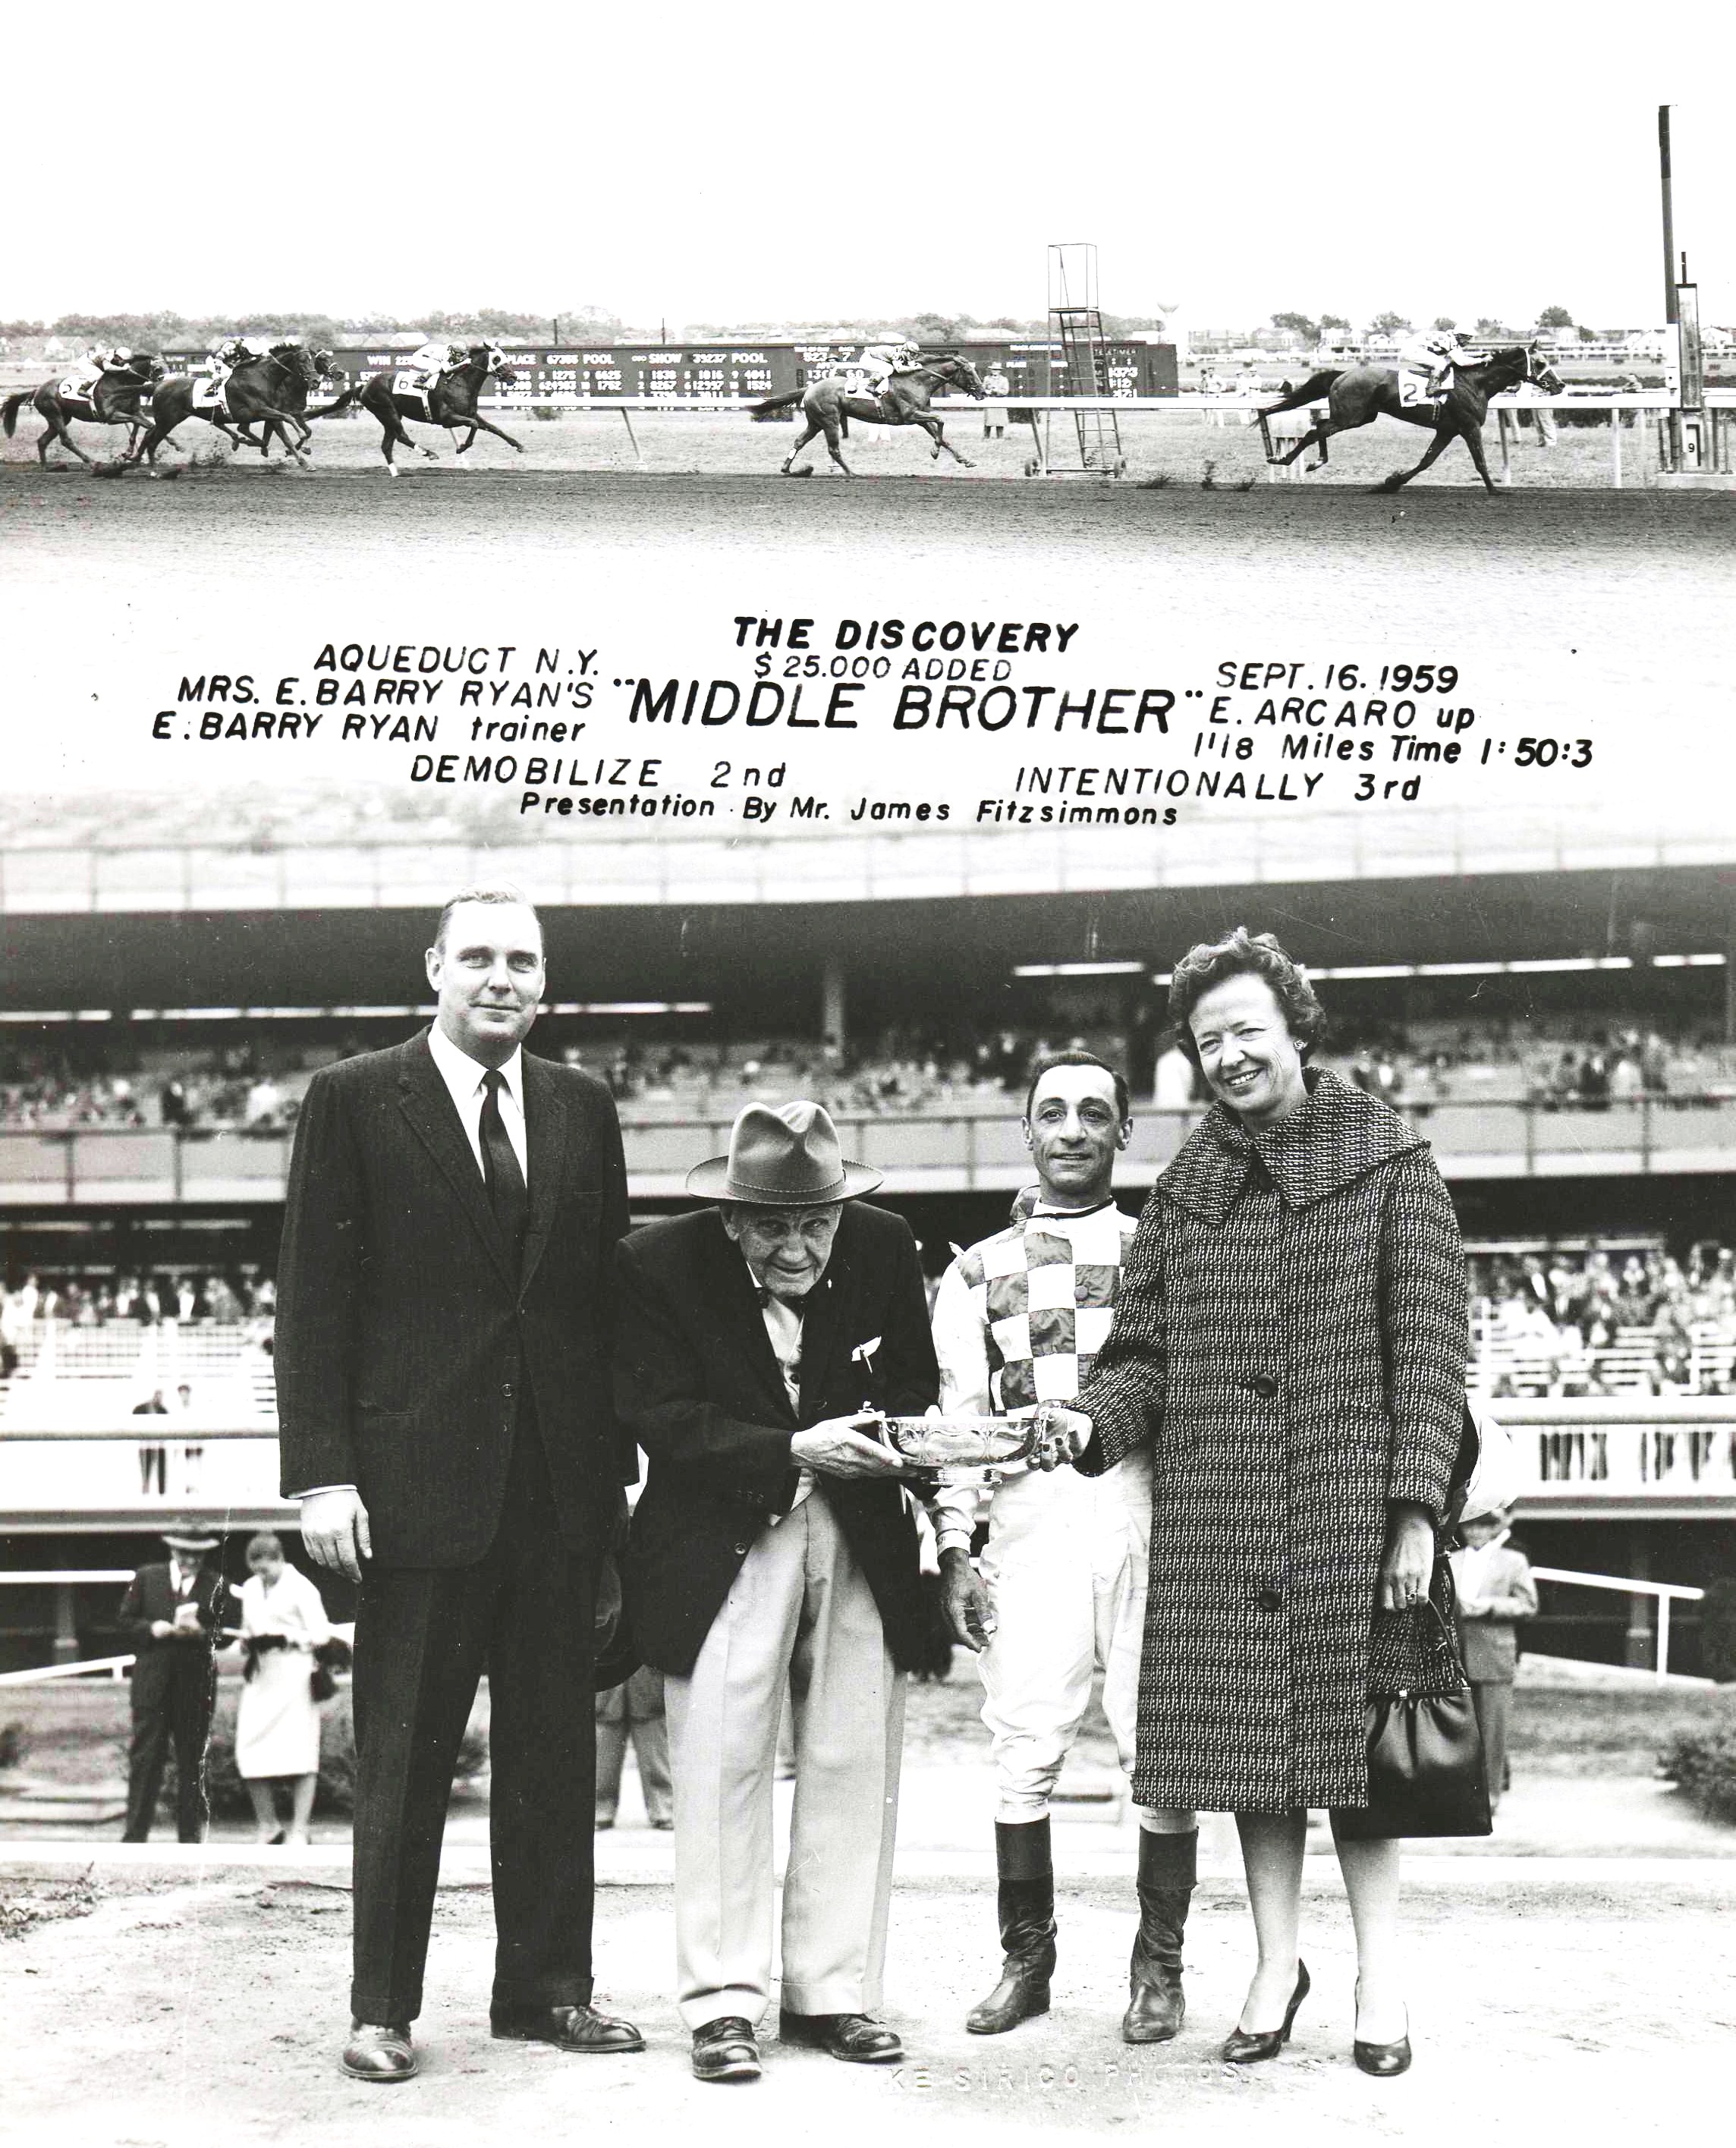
(1045, 1291)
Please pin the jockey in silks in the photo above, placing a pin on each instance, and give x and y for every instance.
(89, 372)
(436, 358)
(236, 351)
(880, 360)
(1426, 361)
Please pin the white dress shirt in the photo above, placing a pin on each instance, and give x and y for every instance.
(463, 1078)
(783, 1329)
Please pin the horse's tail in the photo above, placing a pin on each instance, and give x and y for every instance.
(1311, 391)
(775, 402)
(342, 402)
(14, 403)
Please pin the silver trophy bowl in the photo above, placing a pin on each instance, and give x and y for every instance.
(960, 1450)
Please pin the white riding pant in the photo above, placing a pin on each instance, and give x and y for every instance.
(1064, 1570)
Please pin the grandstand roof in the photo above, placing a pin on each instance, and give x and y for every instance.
(319, 957)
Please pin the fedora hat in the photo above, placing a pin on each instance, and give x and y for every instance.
(191, 1536)
(786, 1158)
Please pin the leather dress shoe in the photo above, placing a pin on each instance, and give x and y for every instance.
(379, 2051)
(568, 2028)
(857, 2037)
(1246, 2047)
(726, 2050)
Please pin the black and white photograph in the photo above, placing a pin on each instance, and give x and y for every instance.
(867, 1076)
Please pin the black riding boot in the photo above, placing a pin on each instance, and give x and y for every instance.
(1155, 2005)
(1026, 1902)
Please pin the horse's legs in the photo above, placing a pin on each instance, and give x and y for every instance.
(468, 441)
(834, 445)
(813, 432)
(61, 429)
(1472, 435)
(1317, 438)
(1437, 448)
(938, 433)
(481, 425)
(270, 422)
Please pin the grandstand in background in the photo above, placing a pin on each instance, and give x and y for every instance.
(1553, 999)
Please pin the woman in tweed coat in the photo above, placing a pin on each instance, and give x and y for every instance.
(1291, 1338)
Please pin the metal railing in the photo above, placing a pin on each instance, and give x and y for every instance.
(1663, 1593)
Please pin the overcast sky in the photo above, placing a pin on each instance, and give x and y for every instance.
(776, 166)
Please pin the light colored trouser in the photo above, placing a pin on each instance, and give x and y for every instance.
(800, 1614)
(634, 1709)
(1494, 1705)
(1064, 1569)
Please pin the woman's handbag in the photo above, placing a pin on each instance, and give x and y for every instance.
(328, 1656)
(1425, 1772)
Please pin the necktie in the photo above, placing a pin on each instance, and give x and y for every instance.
(500, 1171)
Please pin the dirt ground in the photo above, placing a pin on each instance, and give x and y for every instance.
(1588, 2012)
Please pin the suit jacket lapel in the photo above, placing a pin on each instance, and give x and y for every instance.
(426, 1102)
(545, 1139)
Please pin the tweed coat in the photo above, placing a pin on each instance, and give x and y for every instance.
(1291, 1336)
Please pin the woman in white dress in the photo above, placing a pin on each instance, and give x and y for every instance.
(277, 1729)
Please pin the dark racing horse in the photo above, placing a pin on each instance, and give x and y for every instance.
(1363, 392)
(294, 393)
(117, 399)
(451, 402)
(828, 404)
(258, 390)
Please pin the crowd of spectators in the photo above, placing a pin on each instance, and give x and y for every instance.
(54, 1091)
(1595, 1321)
(238, 1297)
(255, 1081)
(905, 1070)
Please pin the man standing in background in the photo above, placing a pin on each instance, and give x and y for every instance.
(172, 1613)
(1018, 1321)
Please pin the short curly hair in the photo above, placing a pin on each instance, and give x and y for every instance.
(1244, 954)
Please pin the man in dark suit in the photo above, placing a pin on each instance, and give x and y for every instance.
(171, 1614)
(774, 1550)
(442, 1368)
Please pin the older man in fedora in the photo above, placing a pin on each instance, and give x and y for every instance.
(774, 1550)
(172, 1614)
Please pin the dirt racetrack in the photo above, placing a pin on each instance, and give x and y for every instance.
(1638, 579)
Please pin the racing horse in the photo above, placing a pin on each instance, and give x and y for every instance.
(294, 396)
(451, 402)
(828, 404)
(116, 399)
(257, 389)
(1359, 393)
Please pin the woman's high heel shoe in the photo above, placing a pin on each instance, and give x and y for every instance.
(1245, 2047)
(1383, 2060)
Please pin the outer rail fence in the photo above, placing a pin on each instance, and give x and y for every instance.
(1638, 1459)
(1720, 404)
(947, 1151)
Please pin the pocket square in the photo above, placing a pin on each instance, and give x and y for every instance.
(864, 1352)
